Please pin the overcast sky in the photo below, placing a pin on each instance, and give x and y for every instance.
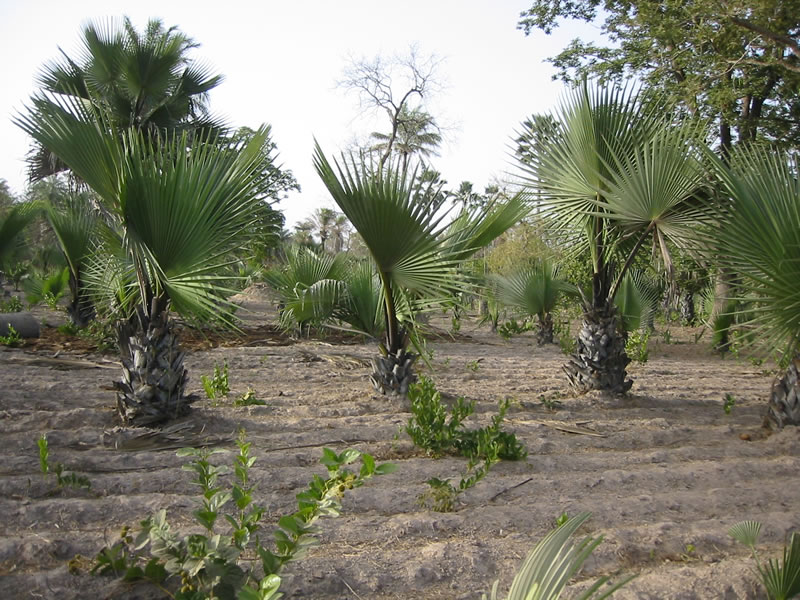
(281, 61)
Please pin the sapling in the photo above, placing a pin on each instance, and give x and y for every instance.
(63, 478)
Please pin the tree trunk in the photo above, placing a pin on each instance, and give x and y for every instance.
(81, 308)
(784, 401)
(600, 359)
(153, 377)
(393, 373)
(544, 330)
(687, 309)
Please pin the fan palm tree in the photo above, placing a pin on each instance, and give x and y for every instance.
(179, 207)
(12, 224)
(417, 135)
(759, 241)
(536, 291)
(414, 250)
(616, 173)
(296, 281)
(142, 80)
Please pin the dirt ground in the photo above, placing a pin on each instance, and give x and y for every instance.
(665, 471)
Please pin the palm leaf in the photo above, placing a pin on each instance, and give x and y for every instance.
(746, 532)
(535, 291)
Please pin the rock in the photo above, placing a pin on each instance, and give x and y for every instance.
(23, 322)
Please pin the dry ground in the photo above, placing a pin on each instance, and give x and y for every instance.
(665, 477)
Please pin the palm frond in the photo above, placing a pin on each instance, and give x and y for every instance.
(746, 532)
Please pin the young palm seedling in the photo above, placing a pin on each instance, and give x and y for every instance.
(781, 578)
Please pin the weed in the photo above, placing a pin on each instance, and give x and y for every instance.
(562, 519)
(63, 478)
(781, 579)
(217, 386)
(728, 403)
(511, 328)
(567, 343)
(474, 365)
(442, 495)
(69, 328)
(666, 337)
(249, 399)
(102, 333)
(13, 304)
(636, 346)
(551, 404)
(12, 340)
(208, 565)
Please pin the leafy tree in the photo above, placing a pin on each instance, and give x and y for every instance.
(414, 251)
(618, 173)
(6, 197)
(179, 206)
(759, 241)
(734, 62)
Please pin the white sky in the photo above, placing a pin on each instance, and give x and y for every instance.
(282, 58)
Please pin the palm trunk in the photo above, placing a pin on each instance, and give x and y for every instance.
(544, 331)
(81, 308)
(687, 309)
(393, 372)
(153, 377)
(784, 401)
(600, 360)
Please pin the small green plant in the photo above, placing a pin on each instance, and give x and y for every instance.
(781, 578)
(636, 346)
(728, 403)
(567, 343)
(216, 386)
(511, 328)
(102, 333)
(208, 565)
(666, 336)
(68, 328)
(553, 562)
(13, 304)
(442, 495)
(562, 519)
(12, 340)
(249, 399)
(551, 404)
(63, 478)
(474, 366)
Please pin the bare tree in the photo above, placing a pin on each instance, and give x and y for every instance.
(396, 86)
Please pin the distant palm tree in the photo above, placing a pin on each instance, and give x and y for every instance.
(759, 241)
(417, 135)
(177, 207)
(536, 291)
(415, 252)
(614, 173)
(141, 80)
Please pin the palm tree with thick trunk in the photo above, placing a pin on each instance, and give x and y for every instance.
(415, 251)
(759, 242)
(178, 207)
(613, 175)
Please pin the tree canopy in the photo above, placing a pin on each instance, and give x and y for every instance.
(735, 62)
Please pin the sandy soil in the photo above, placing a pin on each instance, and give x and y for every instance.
(665, 476)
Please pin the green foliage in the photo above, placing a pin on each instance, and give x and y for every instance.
(217, 386)
(48, 288)
(442, 495)
(536, 290)
(511, 328)
(562, 519)
(439, 432)
(13, 304)
(249, 399)
(553, 562)
(208, 565)
(636, 345)
(474, 366)
(728, 403)
(63, 478)
(781, 578)
(12, 339)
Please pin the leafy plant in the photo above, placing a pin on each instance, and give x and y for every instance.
(12, 339)
(511, 328)
(636, 346)
(781, 578)
(551, 404)
(431, 427)
(442, 495)
(249, 399)
(728, 403)
(474, 365)
(63, 478)
(217, 385)
(562, 519)
(208, 565)
(13, 304)
(666, 336)
(553, 562)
